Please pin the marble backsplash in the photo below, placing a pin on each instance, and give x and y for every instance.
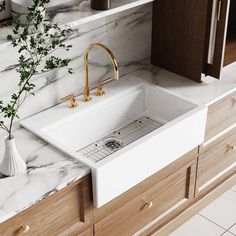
(127, 34)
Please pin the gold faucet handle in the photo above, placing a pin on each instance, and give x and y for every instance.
(100, 91)
(72, 100)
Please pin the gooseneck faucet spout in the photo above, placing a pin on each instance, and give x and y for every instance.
(114, 63)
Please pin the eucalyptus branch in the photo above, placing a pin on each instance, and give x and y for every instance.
(36, 50)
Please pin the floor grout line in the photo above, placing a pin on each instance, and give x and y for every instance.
(231, 228)
(227, 231)
(212, 221)
(224, 233)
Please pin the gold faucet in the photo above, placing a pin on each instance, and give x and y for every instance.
(100, 91)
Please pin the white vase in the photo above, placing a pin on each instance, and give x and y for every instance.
(20, 7)
(12, 163)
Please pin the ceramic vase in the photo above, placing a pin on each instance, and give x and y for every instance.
(20, 7)
(12, 163)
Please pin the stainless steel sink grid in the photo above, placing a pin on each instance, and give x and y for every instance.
(119, 139)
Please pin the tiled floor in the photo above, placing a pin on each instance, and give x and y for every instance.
(217, 219)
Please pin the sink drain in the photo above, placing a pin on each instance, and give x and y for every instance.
(113, 144)
(118, 139)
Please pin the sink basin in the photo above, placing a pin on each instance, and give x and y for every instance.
(129, 134)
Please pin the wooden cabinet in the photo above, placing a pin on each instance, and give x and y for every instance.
(166, 192)
(221, 115)
(67, 212)
(70, 211)
(179, 36)
(216, 162)
(194, 37)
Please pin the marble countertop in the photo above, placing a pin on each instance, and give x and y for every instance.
(205, 93)
(48, 171)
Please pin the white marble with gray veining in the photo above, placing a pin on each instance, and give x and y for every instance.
(48, 171)
(205, 93)
(127, 34)
(76, 12)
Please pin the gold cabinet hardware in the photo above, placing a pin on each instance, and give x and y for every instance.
(148, 205)
(24, 229)
(72, 100)
(232, 147)
(219, 10)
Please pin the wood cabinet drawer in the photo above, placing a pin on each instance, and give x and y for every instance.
(66, 212)
(217, 162)
(87, 232)
(156, 203)
(221, 115)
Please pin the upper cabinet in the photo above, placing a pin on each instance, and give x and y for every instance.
(194, 37)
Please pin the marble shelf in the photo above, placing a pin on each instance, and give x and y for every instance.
(76, 12)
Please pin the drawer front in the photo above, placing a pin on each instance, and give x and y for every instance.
(64, 213)
(156, 203)
(216, 163)
(221, 115)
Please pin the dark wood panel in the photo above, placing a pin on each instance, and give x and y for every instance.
(230, 48)
(215, 68)
(232, 16)
(180, 35)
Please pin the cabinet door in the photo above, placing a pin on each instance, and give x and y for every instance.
(216, 163)
(163, 199)
(218, 31)
(180, 36)
(189, 36)
(67, 212)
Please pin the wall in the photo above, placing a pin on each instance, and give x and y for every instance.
(127, 34)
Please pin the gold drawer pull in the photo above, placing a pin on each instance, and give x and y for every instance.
(148, 205)
(232, 147)
(24, 229)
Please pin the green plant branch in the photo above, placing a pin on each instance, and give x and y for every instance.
(35, 49)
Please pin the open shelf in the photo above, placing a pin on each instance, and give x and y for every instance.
(74, 13)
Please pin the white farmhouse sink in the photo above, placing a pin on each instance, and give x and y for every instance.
(153, 128)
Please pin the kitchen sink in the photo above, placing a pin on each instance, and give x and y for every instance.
(129, 134)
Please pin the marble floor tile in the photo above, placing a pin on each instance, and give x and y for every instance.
(233, 228)
(223, 210)
(234, 188)
(198, 225)
(227, 234)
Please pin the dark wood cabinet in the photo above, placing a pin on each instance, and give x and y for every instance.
(230, 49)
(179, 36)
(194, 37)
